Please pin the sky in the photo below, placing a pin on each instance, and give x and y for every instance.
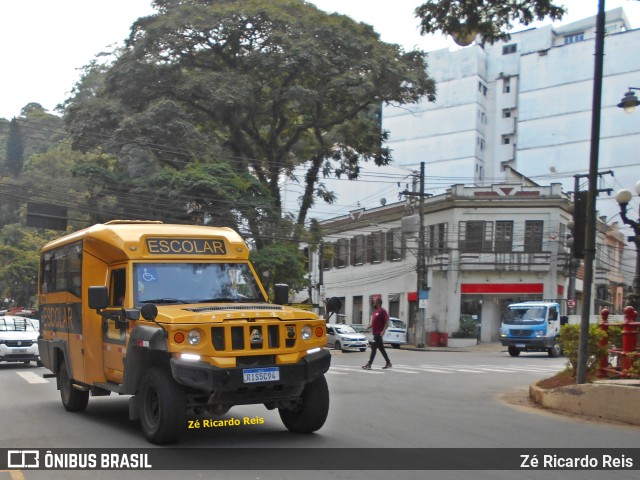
(45, 43)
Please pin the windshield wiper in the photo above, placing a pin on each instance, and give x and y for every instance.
(163, 300)
(220, 300)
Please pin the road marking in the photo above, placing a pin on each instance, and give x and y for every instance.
(337, 373)
(394, 369)
(452, 369)
(14, 474)
(32, 377)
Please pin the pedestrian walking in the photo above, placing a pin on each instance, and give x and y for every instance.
(378, 325)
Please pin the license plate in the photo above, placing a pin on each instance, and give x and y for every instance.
(255, 375)
(18, 350)
(520, 345)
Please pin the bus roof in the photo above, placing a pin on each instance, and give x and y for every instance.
(125, 239)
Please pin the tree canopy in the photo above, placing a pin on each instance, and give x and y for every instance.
(265, 87)
(491, 20)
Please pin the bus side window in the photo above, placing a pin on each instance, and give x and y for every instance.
(118, 286)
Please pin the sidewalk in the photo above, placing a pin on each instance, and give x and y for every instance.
(615, 400)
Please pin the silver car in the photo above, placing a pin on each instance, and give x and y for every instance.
(18, 340)
(343, 337)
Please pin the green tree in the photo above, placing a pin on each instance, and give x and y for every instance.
(265, 86)
(15, 148)
(19, 249)
(491, 20)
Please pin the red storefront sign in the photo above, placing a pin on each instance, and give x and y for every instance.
(502, 288)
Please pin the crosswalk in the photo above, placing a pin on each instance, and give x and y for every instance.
(447, 369)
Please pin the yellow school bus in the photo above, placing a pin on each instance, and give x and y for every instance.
(175, 316)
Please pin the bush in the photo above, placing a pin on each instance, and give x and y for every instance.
(570, 338)
(468, 328)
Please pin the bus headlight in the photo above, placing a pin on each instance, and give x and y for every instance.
(194, 337)
(306, 332)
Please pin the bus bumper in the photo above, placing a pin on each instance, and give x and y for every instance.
(228, 385)
(534, 344)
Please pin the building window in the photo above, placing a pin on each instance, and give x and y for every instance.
(395, 244)
(341, 258)
(506, 113)
(506, 85)
(533, 236)
(504, 236)
(375, 247)
(475, 236)
(506, 139)
(358, 250)
(328, 253)
(508, 49)
(573, 38)
(436, 240)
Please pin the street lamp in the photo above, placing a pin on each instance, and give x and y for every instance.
(629, 102)
(623, 197)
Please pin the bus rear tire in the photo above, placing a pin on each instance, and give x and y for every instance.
(162, 407)
(311, 412)
(73, 400)
(514, 352)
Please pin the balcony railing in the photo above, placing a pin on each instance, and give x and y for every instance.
(500, 261)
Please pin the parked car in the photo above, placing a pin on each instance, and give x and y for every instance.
(18, 340)
(396, 334)
(342, 337)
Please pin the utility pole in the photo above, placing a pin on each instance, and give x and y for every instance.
(422, 287)
(590, 234)
(422, 268)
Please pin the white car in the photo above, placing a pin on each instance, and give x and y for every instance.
(342, 337)
(18, 340)
(395, 335)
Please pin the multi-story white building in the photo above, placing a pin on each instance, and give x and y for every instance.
(525, 103)
(485, 247)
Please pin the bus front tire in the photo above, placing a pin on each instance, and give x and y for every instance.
(555, 351)
(514, 352)
(73, 400)
(162, 407)
(312, 409)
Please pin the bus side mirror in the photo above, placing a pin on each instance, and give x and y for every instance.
(281, 294)
(149, 311)
(98, 298)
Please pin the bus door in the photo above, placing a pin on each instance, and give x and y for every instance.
(115, 334)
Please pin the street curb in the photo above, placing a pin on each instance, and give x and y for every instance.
(614, 401)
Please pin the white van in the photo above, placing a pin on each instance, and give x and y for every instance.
(396, 334)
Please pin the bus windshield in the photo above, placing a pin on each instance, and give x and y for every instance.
(525, 315)
(194, 283)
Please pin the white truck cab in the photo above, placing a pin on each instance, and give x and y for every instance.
(532, 327)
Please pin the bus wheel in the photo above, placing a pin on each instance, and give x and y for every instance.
(73, 400)
(555, 351)
(312, 409)
(514, 352)
(162, 405)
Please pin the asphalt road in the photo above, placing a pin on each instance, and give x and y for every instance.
(428, 399)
